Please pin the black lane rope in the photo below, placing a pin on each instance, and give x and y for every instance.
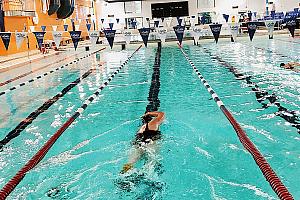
(153, 99)
(260, 94)
(274, 181)
(32, 116)
(46, 74)
(36, 159)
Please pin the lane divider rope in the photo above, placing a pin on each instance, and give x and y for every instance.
(153, 98)
(32, 71)
(43, 75)
(32, 116)
(261, 95)
(264, 166)
(13, 182)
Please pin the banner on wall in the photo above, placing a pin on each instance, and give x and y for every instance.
(66, 27)
(179, 20)
(179, 31)
(20, 37)
(77, 27)
(5, 36)
(88, 26)
(156, 23)
(234, 30)
(39, 38)
(216, 30)
(127, 36)
(144, 32)
(54, 28)
(251, 29)
(168, 22)
(32, 28)
(75, 36)
(270, 24)
(94, 35)
(57, 37)
(226, 17)
(291, 25)
(43, 28)
(117, 20)
(111, 26)
(110, 36)
(192, 20)
(196, 34)
(162, 33)
(102, 21)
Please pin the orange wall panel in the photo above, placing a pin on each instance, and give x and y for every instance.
(13, 23)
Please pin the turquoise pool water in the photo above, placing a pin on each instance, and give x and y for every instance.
(200, 156)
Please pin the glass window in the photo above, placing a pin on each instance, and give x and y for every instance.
(134, 7)
(205, 4)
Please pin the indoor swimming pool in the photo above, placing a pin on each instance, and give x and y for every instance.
(199, 155)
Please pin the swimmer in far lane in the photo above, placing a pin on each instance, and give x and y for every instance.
(294, 66)
(145, 138)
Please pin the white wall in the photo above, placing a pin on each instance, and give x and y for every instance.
(286, 5)
(222, 7)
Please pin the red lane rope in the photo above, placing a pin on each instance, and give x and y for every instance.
(12, 183)
(264, 166)
(277, 186)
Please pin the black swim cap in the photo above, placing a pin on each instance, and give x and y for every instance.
(282, 64)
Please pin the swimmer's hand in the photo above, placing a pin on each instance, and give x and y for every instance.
(126, 168)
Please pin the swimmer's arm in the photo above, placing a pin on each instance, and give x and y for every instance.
(159, 117)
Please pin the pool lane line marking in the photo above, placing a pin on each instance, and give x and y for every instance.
(46, 105)
(153, 99)
(32, 71)
(277, 186)
(13, 182)
(42, 75)
(261, 95)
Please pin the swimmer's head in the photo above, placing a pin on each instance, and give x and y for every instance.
(282, 64)
(146, 119)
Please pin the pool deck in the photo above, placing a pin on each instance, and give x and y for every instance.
(18, 66)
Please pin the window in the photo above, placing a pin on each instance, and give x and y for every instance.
(133, 7)
(171, 9)
(205, 4)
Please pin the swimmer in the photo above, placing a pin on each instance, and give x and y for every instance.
(146, 138)
(291, 65)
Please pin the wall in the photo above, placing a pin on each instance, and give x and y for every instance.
(286, 5)
(17, 23)
(222, 6)
(117, 9)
